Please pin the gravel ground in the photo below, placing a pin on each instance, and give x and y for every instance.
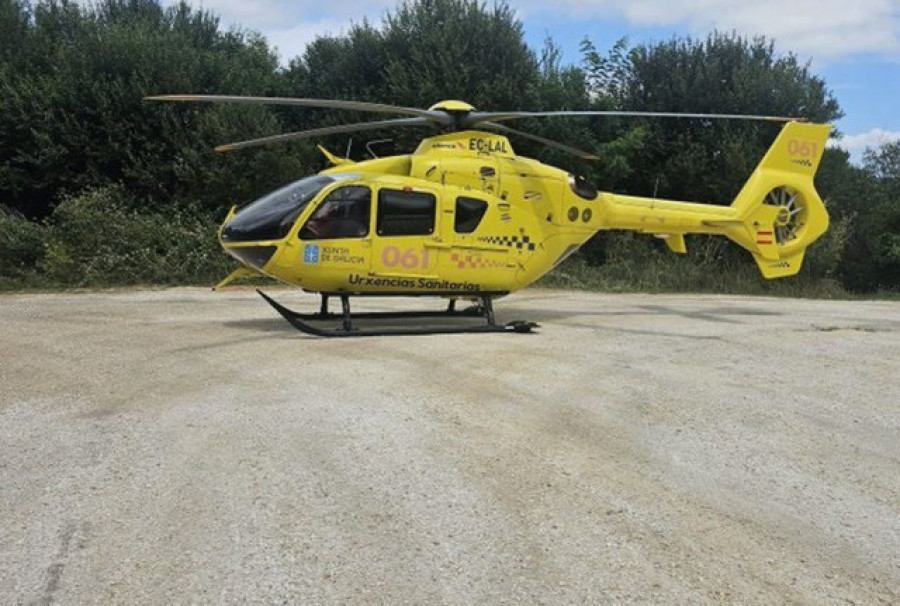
(184, 446)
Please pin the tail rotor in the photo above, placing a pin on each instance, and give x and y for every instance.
(791, 217)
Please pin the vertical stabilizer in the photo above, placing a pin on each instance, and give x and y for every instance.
(780, 212)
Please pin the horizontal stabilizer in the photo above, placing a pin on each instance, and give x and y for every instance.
(675, 242)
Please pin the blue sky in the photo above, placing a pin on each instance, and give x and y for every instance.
(853, 44)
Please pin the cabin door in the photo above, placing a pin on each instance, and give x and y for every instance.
(407, 226)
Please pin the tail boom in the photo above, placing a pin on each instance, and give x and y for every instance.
(776, 215)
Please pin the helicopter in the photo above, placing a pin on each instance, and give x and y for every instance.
(464, 218)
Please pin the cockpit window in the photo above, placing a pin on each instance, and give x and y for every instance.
(344, 213)
(271, 217)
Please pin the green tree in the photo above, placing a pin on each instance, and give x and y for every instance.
(72, 114)
(867, 199)
(452, 49)
(879, 228)
(703, 160)
(698, 160)
(423, 52)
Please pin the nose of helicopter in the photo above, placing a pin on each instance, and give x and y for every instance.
(254, 233)
(254, 256)
(239, 242)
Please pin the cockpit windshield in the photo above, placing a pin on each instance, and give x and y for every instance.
(271, 217)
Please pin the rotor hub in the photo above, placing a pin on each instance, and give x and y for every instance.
(790, 213)
(452, 106)
(783, 218)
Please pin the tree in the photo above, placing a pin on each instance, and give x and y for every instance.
(423, 52)
(879, 228)
(700, 160)
(696, 160)
(72, 114)
(450, 49)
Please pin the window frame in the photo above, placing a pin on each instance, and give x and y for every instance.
(379, 215)
(325, 200)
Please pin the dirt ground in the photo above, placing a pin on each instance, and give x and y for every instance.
(185, 446)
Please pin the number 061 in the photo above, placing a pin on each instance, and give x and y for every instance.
(802, 148)
(410, 258)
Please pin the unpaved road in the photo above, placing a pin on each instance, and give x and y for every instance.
(183, 446)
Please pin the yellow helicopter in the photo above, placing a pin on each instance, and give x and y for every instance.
(464, 218)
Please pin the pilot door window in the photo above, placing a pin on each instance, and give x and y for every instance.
(344, 213)
(405, 213)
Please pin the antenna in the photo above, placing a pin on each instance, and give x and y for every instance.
(370, 143)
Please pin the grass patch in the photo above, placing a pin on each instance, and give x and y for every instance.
(630, 262)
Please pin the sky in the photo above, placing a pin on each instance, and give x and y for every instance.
(853, 44)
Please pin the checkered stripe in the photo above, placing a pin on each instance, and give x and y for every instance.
(523, 243)
(475, 262)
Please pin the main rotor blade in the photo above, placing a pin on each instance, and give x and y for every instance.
(549, 143)
(328, 130)
(475, 117)
(362, 106)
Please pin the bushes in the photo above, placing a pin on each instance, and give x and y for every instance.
(97, 239)
(21, 248)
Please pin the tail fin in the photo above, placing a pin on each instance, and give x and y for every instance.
(779, 212)
(776, 216)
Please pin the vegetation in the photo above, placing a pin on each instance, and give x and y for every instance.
(98, 187)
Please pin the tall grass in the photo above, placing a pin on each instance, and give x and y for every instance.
(631, 262)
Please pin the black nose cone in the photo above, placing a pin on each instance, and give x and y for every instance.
(254, 256)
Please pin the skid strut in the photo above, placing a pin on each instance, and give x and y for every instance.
(484, 309)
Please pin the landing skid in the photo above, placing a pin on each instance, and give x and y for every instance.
(486, 310)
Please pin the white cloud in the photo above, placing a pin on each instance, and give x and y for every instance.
(253, 14)
(857, 144)
(821, 29)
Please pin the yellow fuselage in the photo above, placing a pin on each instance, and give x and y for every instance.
(524, 230)
(532, 216)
